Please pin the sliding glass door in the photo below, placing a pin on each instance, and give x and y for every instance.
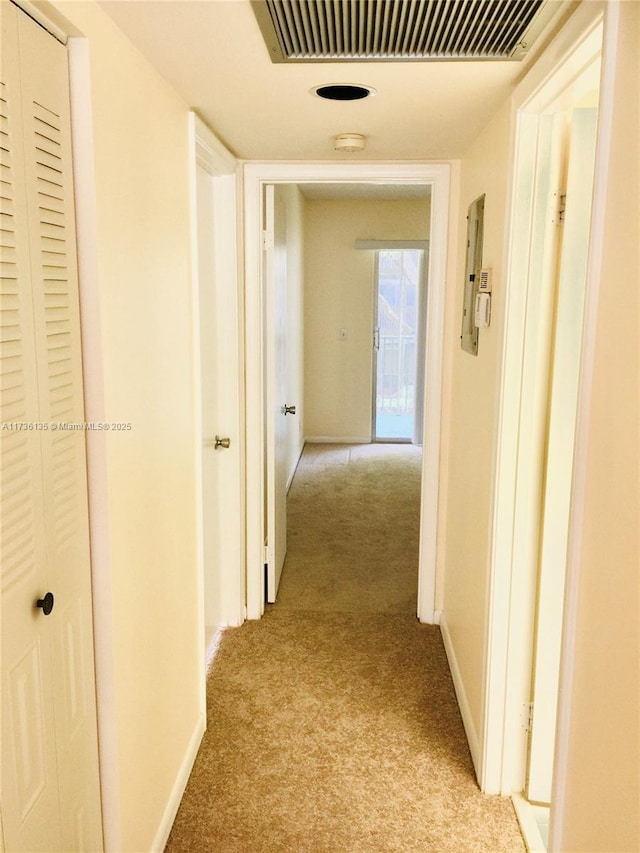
(398, 278)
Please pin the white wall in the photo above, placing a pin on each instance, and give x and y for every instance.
(339, 294)
(144, 287)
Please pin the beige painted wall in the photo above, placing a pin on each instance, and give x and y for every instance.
(144, 280)
(472, 415)
(602, 804)
(339, 292)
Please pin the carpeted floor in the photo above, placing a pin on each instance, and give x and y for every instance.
(332, 722)
(353, 515)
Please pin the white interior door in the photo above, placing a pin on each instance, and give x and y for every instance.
(277, 407)
(560, 447)
(50, 782)
(218, 307)
(209, 401)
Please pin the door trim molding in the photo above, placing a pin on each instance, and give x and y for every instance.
(255, 176)
(561, 780)
(509, 650)
(97, 470)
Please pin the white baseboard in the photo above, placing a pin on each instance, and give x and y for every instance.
(529, 825)
(467, 720)
(338, 439)
(173, 804)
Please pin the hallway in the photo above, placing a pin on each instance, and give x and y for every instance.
(151, 95)
(332, 722)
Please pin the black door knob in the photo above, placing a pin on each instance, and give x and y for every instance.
(46, 603)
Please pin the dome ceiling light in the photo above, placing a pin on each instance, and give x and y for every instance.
(349, 142)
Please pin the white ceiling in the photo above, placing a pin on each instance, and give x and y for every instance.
(213, 53)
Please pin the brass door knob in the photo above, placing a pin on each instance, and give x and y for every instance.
(218, 442)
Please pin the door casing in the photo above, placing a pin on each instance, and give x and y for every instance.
(511, 593)
(255, 177)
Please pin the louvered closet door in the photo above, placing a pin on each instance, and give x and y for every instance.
(49, 750)
(29, 771)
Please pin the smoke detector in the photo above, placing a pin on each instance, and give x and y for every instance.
(349, 142)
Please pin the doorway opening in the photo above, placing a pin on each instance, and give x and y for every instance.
(321, 290)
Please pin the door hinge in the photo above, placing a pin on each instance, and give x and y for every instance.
(527, 717)
(267, 240)
(560, 207)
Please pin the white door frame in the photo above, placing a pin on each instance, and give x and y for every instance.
(512, 581)
(97, 466)
(256, 175)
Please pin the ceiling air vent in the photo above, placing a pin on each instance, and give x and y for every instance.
(399, 30)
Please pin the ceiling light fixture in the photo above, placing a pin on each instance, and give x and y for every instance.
(349, 142)
(343, 91)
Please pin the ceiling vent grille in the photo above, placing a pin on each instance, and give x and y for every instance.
(398, 30)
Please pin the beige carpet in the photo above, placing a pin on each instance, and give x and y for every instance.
(353, 516)
(332, 722)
